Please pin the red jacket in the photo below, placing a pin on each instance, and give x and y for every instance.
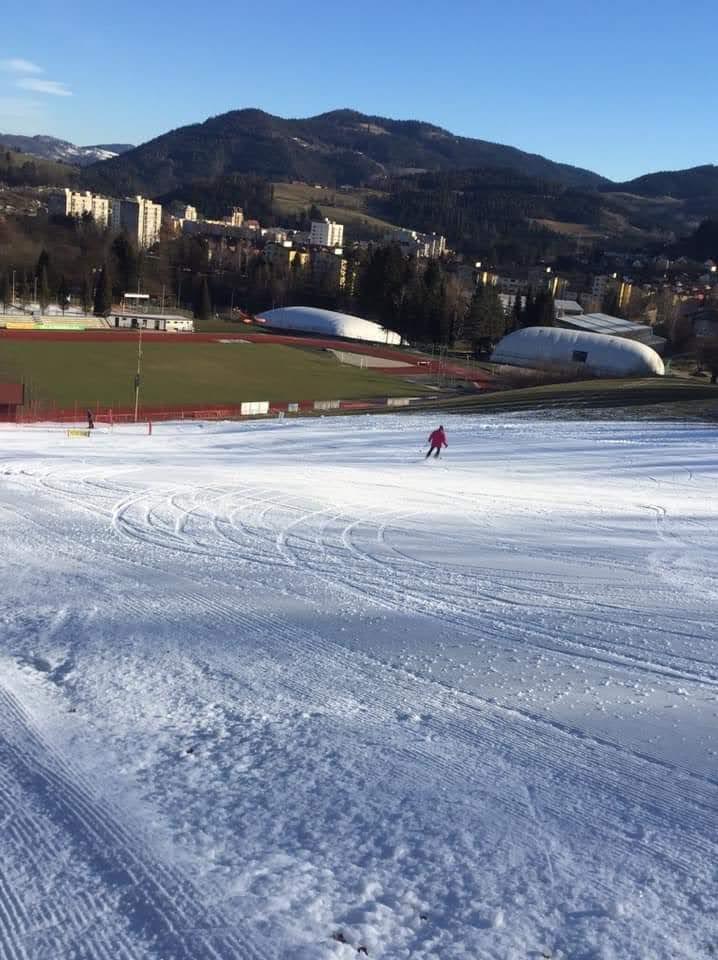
(438, 438)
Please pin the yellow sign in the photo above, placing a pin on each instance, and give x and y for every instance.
(78, 433)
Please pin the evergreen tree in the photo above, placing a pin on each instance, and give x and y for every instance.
(103, 293)
(529, 313)
(126, 264)
(203, 305)
(485, 319)
(517, 312)
(43, 288)
(296, 275)
(42, 261)
(703, 244)
(86, 294)
(544, 312)
(610, 303)
(259, 282)
(383, 288)
(5, 288)
(63, 294)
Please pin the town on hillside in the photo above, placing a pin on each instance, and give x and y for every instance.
(81, 259)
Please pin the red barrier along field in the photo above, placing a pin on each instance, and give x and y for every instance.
(122, 415)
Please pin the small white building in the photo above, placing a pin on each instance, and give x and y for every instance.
(577, 353)
(326, 233)
(162, 322)
(614, 326)
(567, 308)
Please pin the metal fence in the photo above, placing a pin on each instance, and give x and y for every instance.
(47, 413)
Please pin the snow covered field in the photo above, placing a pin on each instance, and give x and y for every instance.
(284, 689)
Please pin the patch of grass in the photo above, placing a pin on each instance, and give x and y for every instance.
(345, 206)
(670, 396)
(201, 374)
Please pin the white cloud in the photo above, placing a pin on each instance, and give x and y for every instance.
(53, 87)
(18, 65)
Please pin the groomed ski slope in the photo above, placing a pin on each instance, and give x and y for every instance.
(286, 690)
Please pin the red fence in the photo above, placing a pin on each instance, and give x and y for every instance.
(122, 415)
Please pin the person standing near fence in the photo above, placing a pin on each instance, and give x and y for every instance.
(90, 420)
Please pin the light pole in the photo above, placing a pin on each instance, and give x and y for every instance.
(138, 375)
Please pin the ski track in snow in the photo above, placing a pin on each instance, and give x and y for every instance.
(264, 683)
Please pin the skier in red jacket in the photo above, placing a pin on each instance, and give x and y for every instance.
(437, 439)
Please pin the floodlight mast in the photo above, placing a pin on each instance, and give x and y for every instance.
(138, 375)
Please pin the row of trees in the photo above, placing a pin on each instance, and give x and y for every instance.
(427, 304)
(424, 301)
(487, 320)
(36, 285)
(44, 284)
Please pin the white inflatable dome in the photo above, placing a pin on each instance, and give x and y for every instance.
(575, 351)
(329, 323)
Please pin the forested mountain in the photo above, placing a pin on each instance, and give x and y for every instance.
(341, 147)
(480, 195)
(477, 208)
(691, 184)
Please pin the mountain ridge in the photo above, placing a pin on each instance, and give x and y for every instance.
(686, 184)
(45, 147)
(336, 147)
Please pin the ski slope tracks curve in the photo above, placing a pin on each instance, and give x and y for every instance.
(287, 690)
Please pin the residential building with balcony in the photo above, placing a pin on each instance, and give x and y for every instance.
(73, 203)
(139, 218)
(326, 233)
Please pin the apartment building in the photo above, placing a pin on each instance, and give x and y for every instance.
(236, 217)
(326, 233)
(139, 217)
(421, 245)
(73, 203)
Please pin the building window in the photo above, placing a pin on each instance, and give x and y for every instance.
(580, 356)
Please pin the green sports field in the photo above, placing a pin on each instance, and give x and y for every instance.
(64, 373)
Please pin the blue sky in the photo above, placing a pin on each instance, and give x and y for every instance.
(622, 88)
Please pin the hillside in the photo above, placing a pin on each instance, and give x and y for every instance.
(371, 172)
(62, 151)
(21, 170)
(340, 147)
(694, 183)
(514, 217)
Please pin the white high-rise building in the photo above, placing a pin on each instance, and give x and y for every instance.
(326, 233)
(414, 244)
(236, 217)
(138, 217)
(73, 203)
